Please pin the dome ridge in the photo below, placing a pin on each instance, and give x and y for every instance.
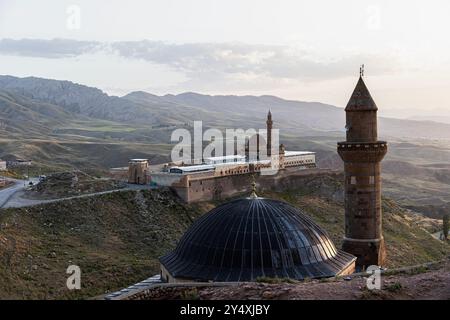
(248, 238)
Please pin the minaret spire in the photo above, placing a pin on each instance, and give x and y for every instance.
(361, 99)
(269, 124)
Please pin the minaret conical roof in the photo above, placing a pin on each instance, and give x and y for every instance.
(361, 100)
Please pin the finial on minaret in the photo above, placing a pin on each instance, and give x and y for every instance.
(361, 71)
(253, 194)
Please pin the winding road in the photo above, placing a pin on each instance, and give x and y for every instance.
(12, 196)
(7, 193)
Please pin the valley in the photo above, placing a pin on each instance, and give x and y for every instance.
(62, 126)
(117, 236)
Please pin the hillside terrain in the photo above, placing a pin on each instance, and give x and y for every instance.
(415, 174)
(67, 184)
(116, 239)
(62, 126)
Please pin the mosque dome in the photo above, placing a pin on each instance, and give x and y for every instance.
(253, 237)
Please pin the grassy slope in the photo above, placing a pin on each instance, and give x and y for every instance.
(116, 239)
(406, 243)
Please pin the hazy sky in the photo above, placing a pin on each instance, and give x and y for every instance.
(305, 50)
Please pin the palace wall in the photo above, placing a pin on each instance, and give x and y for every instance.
(219, 188)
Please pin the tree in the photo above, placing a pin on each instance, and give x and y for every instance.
(445, 225)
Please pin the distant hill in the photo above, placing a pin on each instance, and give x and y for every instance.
(62, 125)
(444, 118)
(290, 116)
(70, 100)
(76, 99)
(23, 115)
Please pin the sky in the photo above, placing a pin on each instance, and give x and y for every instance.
(300, 50)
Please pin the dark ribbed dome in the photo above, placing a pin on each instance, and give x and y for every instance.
(255, 237)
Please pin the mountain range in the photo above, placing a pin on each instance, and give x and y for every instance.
(47, 105)
(61, 125)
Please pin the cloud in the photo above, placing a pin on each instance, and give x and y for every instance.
(212, 62)
(237, 58)
(53, 49)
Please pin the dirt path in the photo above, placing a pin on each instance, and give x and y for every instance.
(17, 199)
(428, 285)
(7, 193)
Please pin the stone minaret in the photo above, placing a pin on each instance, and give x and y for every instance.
(362, 154)
(281, 152)
(269, 124)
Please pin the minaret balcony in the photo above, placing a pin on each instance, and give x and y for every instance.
(362, 151)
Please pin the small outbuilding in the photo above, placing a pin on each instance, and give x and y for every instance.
(137, 171)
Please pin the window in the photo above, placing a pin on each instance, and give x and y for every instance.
(352, 180)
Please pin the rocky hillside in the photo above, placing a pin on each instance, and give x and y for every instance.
(117, 238)
(73, 183)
